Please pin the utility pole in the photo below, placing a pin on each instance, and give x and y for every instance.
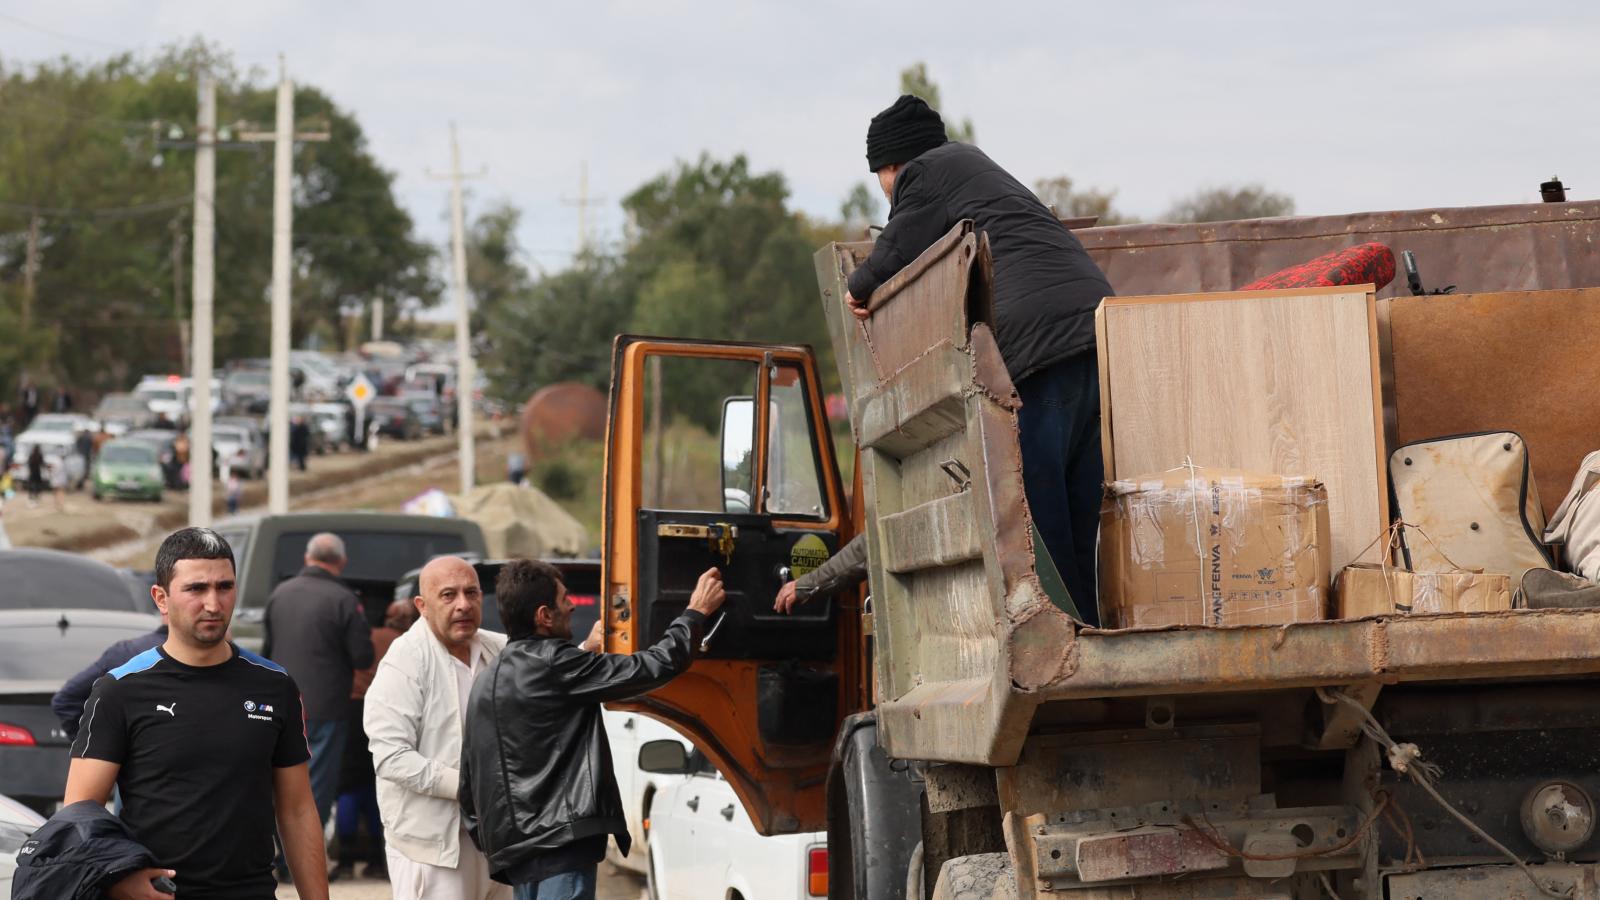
(205, 212)
(377, 318)
(583, 203)
(282, 229)
(283, 138)
(177, 293)
(465, 367)
(30, 271)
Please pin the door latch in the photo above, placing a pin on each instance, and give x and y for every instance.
(719, 537)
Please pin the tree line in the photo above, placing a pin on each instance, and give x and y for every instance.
(96, 182)
(96, 197)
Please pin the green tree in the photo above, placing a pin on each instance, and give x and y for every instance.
(495, 271)
(1068, 202)
(560, 329)
(860, 208)
(914, 80)
(1221, 204)
(99, 156)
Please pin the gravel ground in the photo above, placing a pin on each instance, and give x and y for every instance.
(614, 884)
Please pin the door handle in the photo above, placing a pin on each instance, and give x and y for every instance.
(727, 812)
(694, 804)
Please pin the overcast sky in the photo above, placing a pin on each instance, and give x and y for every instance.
(1346, 107)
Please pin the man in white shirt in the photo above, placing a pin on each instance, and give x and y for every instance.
(413, 724)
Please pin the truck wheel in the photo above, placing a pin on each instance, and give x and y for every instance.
(982, 876)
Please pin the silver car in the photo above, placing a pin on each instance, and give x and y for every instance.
(237, 450)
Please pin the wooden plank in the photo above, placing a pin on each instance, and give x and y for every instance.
(1519, 361)
(1272, 381)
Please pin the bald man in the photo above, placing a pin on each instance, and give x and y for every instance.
(413, 723)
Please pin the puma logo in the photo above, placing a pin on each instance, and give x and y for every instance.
(168, 709)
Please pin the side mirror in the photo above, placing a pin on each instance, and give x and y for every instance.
(738, 453)
(665, 757)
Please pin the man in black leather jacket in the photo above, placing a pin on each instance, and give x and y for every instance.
(537, 791)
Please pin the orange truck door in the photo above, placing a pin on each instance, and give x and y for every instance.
(718, 454)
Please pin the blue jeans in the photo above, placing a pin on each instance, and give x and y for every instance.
(577, 885)
(326, 737)
(1062, 469)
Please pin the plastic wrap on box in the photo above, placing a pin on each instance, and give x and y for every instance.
(1198, 546)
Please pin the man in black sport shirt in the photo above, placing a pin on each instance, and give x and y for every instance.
(204, 740)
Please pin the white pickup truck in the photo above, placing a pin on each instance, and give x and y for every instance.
(703, 844)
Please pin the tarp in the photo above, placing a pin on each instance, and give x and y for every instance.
(522, 522)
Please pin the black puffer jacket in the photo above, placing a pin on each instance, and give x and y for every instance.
(76, 855)
(535, 763)
(1046, 287)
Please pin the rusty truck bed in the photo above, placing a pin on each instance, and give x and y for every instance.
(969, 641)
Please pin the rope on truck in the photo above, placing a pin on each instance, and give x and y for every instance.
(1407, 759)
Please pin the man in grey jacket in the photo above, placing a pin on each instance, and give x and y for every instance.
(315, 628)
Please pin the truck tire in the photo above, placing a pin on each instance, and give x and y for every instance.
(982, 876)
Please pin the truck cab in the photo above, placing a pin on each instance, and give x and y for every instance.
(955, 723)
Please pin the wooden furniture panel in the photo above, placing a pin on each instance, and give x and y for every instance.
(1287, 382)
(1518, 361)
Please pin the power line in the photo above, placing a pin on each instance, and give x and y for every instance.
(109, 212)
(62, 34)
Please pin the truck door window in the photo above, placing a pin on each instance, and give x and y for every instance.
(682, 466)
(794, 469)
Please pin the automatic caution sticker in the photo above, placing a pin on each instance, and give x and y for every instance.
(806, 555)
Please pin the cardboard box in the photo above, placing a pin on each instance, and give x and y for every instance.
(1198, 546)
(1369, 590)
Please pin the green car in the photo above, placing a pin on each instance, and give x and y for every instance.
(127, 469)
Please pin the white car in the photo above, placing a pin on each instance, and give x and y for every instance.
(61, 449)
(16, 823)
(702, 844)
(627, 732)
(166, 398)
(237, 450)
(187, 384)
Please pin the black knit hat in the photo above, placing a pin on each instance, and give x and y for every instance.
(903, 132)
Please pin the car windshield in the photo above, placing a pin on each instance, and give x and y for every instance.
(227, 435)
(123, 405)
(252, 379)
(422, 405)
(52, 423)
(159, 393)
(128, 454)
(49, 652)
(37, 580)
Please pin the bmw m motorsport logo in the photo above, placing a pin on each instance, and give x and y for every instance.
(254, 710)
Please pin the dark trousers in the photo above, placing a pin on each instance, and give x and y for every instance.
(326, 737)
(1062, 469)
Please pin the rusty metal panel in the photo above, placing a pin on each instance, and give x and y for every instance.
(1142, 853)
(922, 403)
(1094, 770)
(921, 306)
(940, 532)
(1576, 882)
(1142, 662)
(1485, 248)
(949, 539)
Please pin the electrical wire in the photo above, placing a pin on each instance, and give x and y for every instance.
(107, 212)
(62, 34)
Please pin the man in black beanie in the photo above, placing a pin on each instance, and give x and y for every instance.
(1046, 289)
